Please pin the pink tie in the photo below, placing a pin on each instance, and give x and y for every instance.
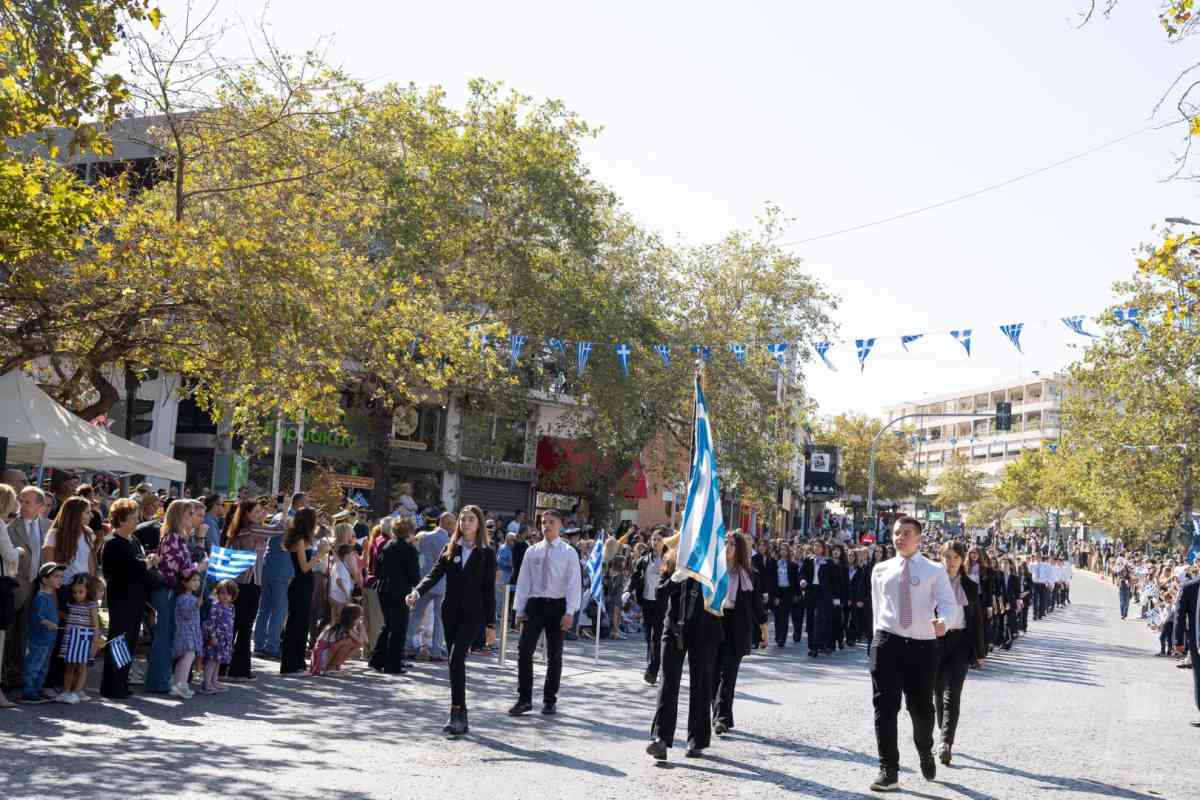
(959, 594)
(905, 597)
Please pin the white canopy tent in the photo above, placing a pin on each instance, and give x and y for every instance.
(40, 431)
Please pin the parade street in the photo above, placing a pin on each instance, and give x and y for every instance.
(1079, 708)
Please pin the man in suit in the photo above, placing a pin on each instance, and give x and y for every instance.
(28, 532)
(1187, 632)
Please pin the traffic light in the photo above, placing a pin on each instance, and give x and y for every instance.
(1004, 416)
(139, 420)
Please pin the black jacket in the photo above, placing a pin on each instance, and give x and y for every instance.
(398, 570)
(740, 621)
(1188, 609)
(770, 575)
(124, 565)
(637, 581)
(470, 587)
(824, 590)
(687, 621)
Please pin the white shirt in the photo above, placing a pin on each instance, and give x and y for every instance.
(81, 565)
(650, 579)
(513, 527)
(929, 588)
(781, 571)
(817, 562)
(737, 579)
(340, 578)
(551, 571)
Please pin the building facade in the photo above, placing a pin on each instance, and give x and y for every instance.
(1036, 410)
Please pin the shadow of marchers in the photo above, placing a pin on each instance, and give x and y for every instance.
(1058, 782)
(547, 757)
(793, 747)
(757, 772)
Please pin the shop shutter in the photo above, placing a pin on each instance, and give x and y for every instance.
(501, 497)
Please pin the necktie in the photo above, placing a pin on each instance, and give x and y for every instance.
(905, 596)
(959, 594)
(546, 572)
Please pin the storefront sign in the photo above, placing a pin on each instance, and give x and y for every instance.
(496, 469)
(321, 436)
(354, 481)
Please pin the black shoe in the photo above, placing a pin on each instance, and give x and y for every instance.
(944, 755)
(1195, 723)
(521, 707)
(451, 722)
(650, 679)
(462, 719)
(928, 766)
(694, 752)
(720, 728)
(549, 709)
(812, 653)
(885, 782)
(658, 749)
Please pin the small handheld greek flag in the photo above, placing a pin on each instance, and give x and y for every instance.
(79, 645)
(226, 562)
(596, 569)
(118, 648)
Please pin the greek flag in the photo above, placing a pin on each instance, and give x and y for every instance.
(1075, 323)
(702, 534)
(557, 344)
(226, 562)
(664, 352)
(822, 348)
(582, 351)
(1013, 332)
(864, 349)
(516, 344)
(739, 352)
(79, 645)
(964, 338)
(905, 341)
(118, 648)
(595, 567)
(779, 350)
(623, 351)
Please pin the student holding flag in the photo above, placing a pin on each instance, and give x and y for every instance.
(126, 570)
(547, 599)
(695, 585)
(745, 613)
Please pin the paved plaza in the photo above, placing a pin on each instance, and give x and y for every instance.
(1080, 708)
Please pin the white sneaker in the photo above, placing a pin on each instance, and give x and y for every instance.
(180, 691)
(189, 692)
(70, 698)
(82, 696)
(137, 673)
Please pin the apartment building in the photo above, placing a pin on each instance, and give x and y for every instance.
(1036, 409)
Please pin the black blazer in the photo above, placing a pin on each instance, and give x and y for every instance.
(398, 570)
(860, 586)
(740, 621)
(637, 581)
(770, 576)
(686, 616)
(818, 592)
(1188, 609)
(470, 587)
(839, 583)
(124, 565)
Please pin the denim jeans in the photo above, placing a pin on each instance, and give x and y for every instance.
(272, 610)
(430, 603)
(37, 661)
(1124, 604)
(162, 648)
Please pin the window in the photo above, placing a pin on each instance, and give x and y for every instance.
(495, 438)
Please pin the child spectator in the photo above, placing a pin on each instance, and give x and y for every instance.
(218, 636)
(338, 640)
(43, 632)
(188, 642)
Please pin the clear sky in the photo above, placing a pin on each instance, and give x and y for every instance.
(841, 114)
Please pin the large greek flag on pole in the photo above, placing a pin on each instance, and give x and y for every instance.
(226, 562)
(702, 534)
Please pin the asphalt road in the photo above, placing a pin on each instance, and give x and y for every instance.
(1080, 708)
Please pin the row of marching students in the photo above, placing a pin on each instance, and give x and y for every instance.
(1005, 594)
(824, 587)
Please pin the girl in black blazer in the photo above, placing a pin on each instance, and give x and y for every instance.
(398, 570)
(744, 612)
(817, 578)
(955, 650)
(839, 594)
(469, 567)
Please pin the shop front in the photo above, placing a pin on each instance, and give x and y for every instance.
(568, 472)
(497, 487)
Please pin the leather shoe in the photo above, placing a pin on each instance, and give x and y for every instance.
(650, 679)
(885, 782)
(451, 722)
(694, 752)
(944, 754)
(658, 749)
(1195, 723)
(928, 766)
(720, 728)
(520, 708)
(549, 709)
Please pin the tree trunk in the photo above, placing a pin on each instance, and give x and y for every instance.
(379, 454)
(108, 396)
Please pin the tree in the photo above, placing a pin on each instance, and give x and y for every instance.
(959, 484)
(987, 512)
(853, 434)
(1023, 484)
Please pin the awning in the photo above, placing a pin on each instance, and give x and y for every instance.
(569, 466)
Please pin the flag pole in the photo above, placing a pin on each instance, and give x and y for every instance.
(596, 655)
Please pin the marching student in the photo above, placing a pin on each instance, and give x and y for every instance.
(548, 594)
(956, 648)
(905, 590)
(783, 582)
(690, 631)
(744, 612)
(816, 578)
(469, 566)
(644, 585)
(840, 594)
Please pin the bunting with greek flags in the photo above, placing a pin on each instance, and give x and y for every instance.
(864, 349)
(1013, 332)
(739, 352)
(582, 351)
(623, 351)
(1130, 317)
(79, 645)
(905, 341)
(664, 352)
(822, 348)
(701, 549)
(1075, 323)
(516, 344)
(779, 350)
(964, 338)
(225, 563)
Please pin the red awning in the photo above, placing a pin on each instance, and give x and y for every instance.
(568, 466)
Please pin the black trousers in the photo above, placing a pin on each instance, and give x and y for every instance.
(294, 644)
(541, 615)
(820, 622)
(783, 614)
(799, 610)
(837, 625)
(726, 664)
(245, 609)
(952, 663)
(1196, 673)
(1025, 614)
(124, 618)
(389, 647)
(902, 667)
(460, 635)
(701, 656)
(652, 627)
